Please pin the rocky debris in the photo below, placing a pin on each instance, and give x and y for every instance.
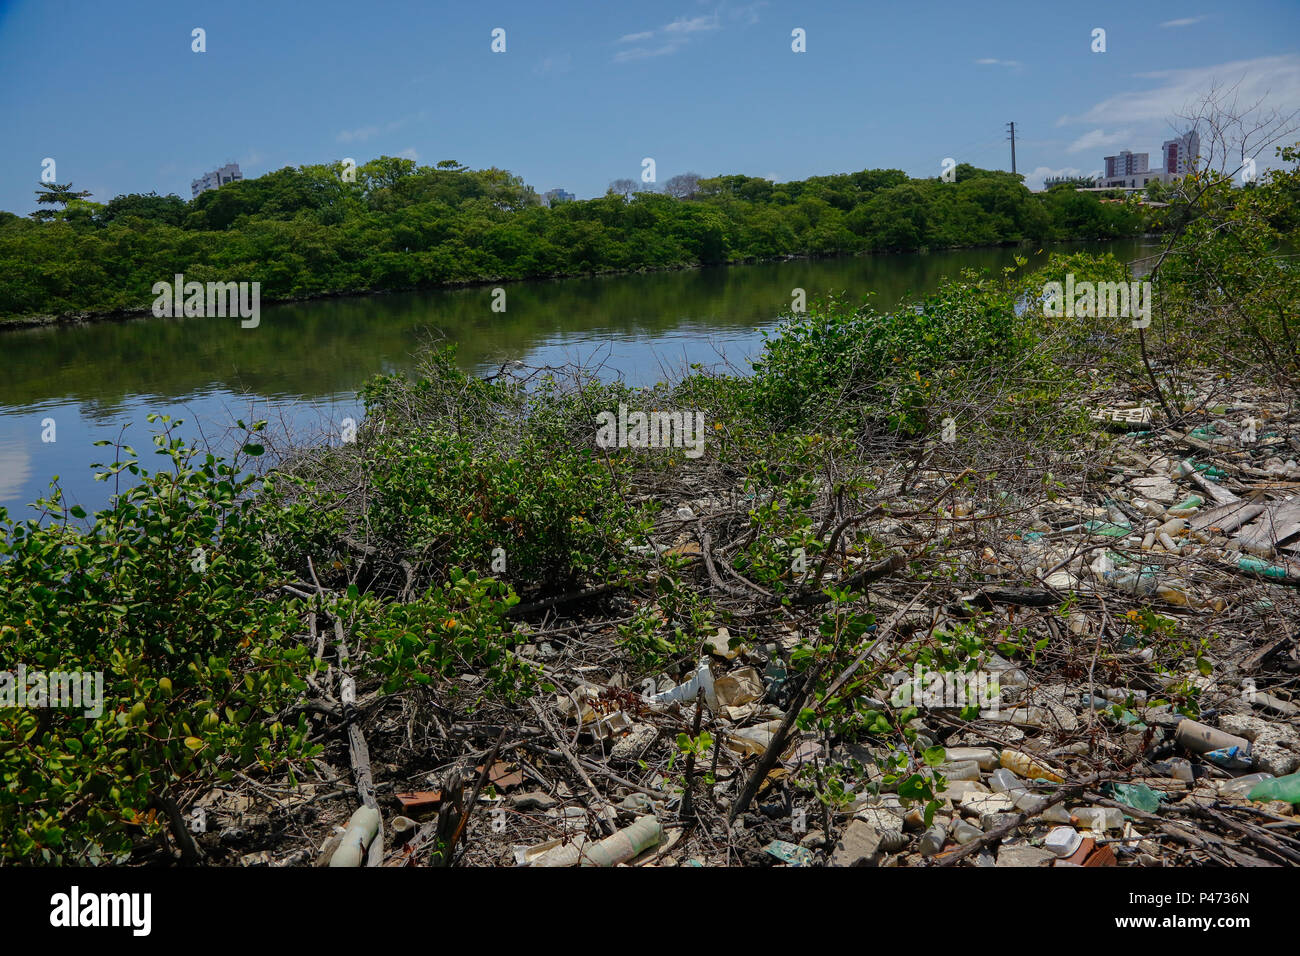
(859, 846)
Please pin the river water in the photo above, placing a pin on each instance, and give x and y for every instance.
(65, 388)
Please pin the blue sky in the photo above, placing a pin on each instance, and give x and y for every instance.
(585, 91)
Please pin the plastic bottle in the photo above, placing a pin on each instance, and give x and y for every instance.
(964, 832)
(1004, 781)
(1033, 803)
(986, 757)
(1100, 818)
(625, 844)
(1026, 766)
(932, 839)
(686, 692)
(1263, 568)
(1279, 788)
(564, 854)
(1173, 526)
(361, 831)
(1242, 785)
(1187, 506)
(966, 770)
(1136, 583)
(1202, 738)
(1121, 694)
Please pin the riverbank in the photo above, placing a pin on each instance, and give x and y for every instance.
(101, 378)
(82, 317)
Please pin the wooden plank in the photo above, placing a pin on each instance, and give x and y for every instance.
(1263, 653)
(1280, 521)
(1227, 517)
(1220, 494)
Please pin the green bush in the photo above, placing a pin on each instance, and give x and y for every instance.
(839, 363)
(170, 594)
(446, 501)
(447, 632)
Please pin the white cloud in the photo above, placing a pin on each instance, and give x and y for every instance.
(360, 135)
(409, 153)
(1098, 139)
(1272, 79)
(748, 13)
(1184, 22)
(1145, 115)
(993, 61)
(693, 25)
(643, 53)
(673, 36)
(363, 133)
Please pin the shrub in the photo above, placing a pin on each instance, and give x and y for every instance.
(170, 594)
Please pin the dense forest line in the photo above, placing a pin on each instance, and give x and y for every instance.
(308, 231)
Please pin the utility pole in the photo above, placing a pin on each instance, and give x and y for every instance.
(1012, 126)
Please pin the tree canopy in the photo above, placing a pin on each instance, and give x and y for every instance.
(392, 223)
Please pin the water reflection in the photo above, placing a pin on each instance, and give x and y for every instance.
(301, 366)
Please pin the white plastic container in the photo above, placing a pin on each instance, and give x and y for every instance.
(1063, 841)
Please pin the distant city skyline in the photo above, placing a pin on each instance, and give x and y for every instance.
(219, 177)
(121, 102)
(1177, 157)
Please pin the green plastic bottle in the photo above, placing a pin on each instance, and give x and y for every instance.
(1279, 788)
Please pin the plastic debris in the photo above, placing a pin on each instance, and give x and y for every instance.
(703, 678)
(1027, 766)
(1063, 841)
(360, 832)
(1286, 789)
(1136, 795)
(626, 844)
(790, 853)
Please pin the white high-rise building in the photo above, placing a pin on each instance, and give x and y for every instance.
(1129, 170)
(1126, 164)
(215, 179)
(1180, 154)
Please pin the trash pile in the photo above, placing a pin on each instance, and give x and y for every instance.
(1100, 674)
